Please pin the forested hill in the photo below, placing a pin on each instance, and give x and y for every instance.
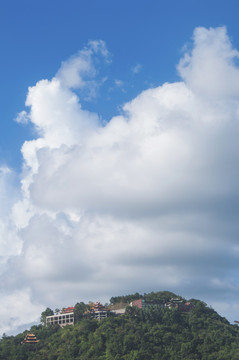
(155, 332)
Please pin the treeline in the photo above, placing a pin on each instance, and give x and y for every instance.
(156, 333)
(156, 297)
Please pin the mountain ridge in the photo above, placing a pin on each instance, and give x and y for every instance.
(154, 332)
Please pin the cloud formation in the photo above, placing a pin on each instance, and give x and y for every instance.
(149, 201)
(79, 71)
(137, 68)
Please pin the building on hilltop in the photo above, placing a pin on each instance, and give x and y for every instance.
(98, 311)
(67, 310)
(66, 317)
(174, 303)
(30, 339)
(179, 304)
(140, 303)
(116, 312)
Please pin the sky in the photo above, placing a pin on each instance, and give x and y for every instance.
(119, 153)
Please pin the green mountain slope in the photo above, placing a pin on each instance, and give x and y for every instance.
(153, 333)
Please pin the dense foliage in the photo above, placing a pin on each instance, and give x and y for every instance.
(154, 333)
(158, 297)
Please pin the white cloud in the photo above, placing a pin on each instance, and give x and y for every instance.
(22, 117)
(137, 68)
(10, 243)
(119, 83)
(17, 309)
(214, 56)
(147, 202)
(79, 71)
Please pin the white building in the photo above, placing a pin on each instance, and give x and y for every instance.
(61, 319)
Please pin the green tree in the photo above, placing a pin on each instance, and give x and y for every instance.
(44, 314)
(79, 310)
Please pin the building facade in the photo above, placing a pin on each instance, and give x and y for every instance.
(140, 303)
(99, 312)
(66, 317)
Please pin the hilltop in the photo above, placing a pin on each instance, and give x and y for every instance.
(156, 331)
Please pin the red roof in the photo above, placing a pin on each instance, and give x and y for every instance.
(67, 310)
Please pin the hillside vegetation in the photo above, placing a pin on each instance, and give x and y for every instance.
(155, 333)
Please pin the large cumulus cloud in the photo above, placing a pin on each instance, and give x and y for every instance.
(147, 201)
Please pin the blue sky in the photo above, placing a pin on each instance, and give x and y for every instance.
(36, 36)
(121, 172)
